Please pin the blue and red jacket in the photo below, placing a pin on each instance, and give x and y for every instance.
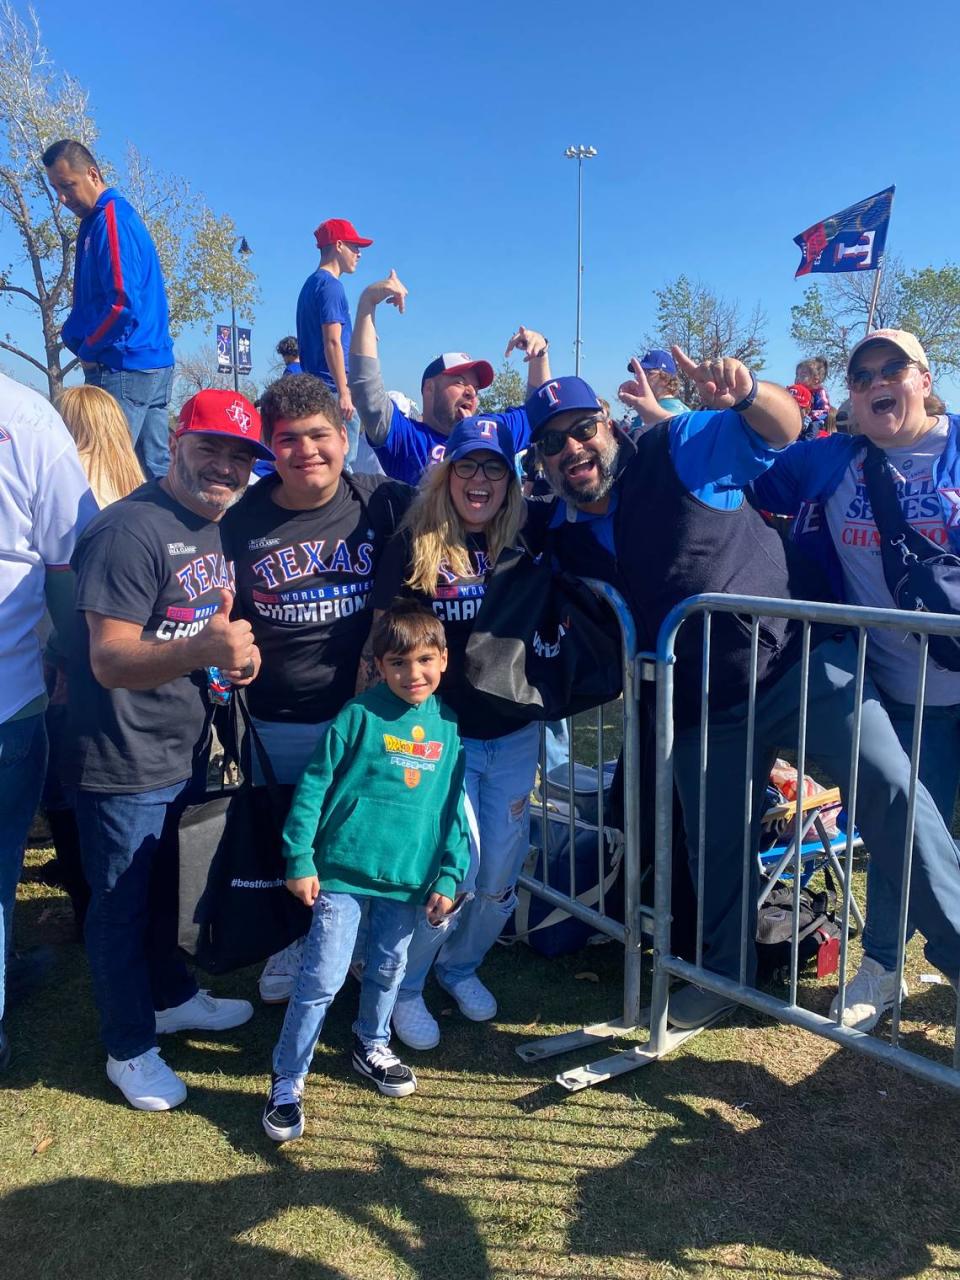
(119, 316)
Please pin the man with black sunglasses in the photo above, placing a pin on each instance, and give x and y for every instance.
(665, 517)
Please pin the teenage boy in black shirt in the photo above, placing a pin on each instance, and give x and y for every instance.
(306, 543)
(155, 592)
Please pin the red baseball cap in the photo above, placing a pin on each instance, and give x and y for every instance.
(335, 229)
(223, 413)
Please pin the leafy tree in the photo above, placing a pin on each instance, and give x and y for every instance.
(925, 301)
(506, 390)
(38, 105)
(690, 315)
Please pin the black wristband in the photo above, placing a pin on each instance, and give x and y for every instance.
(742, 405)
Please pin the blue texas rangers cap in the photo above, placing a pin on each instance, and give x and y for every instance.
(557, 396)
(657, 359)
(477, 433)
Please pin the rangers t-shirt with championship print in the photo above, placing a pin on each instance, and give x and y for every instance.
(894, 655)
(456, 602)
(147, 560)
(304, 583)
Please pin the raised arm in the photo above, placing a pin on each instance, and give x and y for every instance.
(366, 381)
(535, 347)
(726, 382)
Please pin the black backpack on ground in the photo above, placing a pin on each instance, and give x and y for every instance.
(819, 936)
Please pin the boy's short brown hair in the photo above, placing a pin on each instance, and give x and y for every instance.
(406, 626)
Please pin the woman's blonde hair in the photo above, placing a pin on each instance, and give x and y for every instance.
(102, 436)
(437, 533)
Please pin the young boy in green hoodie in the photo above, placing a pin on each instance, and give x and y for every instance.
(378, 820)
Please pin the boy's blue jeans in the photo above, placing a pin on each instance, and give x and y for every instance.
(23, 762)
(326, 960)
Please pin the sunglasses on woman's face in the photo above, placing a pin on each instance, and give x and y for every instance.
(552, 442)
(892, 371)
(492, 468)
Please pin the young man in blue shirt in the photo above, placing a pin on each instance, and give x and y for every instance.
(119, 324)
(323, 317)
(405, 446)
(665, 518)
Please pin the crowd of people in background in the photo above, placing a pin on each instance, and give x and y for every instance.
(324, 556)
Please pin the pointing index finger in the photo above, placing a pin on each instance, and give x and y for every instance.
(683, 360)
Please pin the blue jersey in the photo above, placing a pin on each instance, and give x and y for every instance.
(322, 300)
(411, 446)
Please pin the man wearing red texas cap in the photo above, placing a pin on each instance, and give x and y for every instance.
(154, 595)
(449, 385)
(323, 316)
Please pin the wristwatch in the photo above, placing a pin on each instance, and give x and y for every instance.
(743, 405)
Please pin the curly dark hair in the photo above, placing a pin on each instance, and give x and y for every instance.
(288, 347)
(297, 395)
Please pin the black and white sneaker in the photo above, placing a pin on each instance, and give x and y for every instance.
(379, 1064)
(283, 1113)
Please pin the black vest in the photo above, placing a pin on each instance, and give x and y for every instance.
(670, 545)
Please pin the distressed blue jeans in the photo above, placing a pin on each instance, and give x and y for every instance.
(23, 762)
(499, 778)
(326, 962)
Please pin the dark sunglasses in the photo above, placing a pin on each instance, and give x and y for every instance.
(492, 468)
(552, 442)
(892, 371)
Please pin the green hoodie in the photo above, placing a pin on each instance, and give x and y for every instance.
(379, 810)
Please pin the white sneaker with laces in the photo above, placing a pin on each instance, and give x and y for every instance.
(279, 975)
(415, 1025)
(475, 1001)
(147, 1082)
(870, 993)
(204, 1012)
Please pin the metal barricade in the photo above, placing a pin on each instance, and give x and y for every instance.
(737, 990)
(629, 930)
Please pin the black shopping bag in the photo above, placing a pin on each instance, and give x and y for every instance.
(235, 909)
(542, 646)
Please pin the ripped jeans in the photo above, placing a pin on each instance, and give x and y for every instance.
(326, 962)
(499, 778)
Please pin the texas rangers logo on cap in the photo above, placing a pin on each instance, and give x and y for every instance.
(551, 392)
(238, 414)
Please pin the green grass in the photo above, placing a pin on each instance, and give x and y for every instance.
(755, 1151)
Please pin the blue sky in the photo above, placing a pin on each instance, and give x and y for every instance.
(722, 131)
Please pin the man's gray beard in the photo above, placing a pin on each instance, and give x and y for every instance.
(606, 478)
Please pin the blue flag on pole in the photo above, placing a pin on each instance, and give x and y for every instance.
(851, 240)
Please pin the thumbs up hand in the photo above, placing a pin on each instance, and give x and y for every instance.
(222, 643)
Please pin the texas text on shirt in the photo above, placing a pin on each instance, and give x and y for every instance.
(45, 502)
(304, 582)
(150, 561)
(456, 602)
(406, 447)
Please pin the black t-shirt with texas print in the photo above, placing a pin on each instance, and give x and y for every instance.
(304, 582)
(456, 602)
(147, 560)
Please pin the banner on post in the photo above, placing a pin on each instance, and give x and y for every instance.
(224, 349)
(243, 351)
(852, 240)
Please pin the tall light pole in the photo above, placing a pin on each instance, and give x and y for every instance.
(579, 153)
(243, 251)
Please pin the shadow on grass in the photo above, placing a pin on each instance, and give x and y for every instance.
(170, 1229)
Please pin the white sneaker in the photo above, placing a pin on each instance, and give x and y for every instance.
(870, 993)
(147, 1082)
(415, 1025)
(203, 1012)
(279, 975)
(475, 1001)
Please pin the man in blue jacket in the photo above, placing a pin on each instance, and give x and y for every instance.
(119, 323)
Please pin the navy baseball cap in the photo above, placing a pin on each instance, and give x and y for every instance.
(475, 434)
(657, 359)
(557, 396)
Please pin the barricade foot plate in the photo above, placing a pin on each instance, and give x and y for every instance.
(619, 1064)
(567, 1041)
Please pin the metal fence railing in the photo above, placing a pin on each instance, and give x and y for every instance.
(926, 878)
